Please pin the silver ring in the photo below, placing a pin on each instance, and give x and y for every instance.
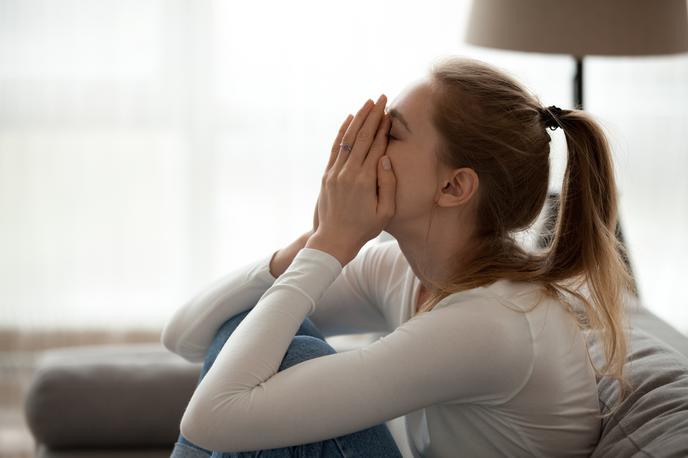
(345, 147)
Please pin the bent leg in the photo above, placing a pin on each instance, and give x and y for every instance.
(183, 447)
(308, 343)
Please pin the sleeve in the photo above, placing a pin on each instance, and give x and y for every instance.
(353, 303)
(191, 329)
(349, 306)
(457, 353)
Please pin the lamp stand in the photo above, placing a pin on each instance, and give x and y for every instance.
(578, 84)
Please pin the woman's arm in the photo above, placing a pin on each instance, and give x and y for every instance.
(348, 306)
(462, 352)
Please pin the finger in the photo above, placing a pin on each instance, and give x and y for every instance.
(350, 135)
(387, 184)
(366, 135)
(379, 145)
(337, 141)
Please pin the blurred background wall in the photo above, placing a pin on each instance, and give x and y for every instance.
(148, 147)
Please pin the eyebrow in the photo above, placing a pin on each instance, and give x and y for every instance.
(393, 112)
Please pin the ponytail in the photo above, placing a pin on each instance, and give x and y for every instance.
(585, 244)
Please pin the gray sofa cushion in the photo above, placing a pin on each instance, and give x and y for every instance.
(109, 396)
(652, 421)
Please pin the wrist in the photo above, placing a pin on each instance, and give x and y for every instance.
(332, 246)
(281, 259)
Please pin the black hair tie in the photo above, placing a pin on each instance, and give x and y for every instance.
(550, 116)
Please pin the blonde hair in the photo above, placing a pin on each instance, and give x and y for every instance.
(491, 124)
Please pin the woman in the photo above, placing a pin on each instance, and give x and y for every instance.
(485, 354)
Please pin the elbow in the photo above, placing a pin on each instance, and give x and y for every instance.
(202, 425)
(170, 339)
(200, 430)
(167, 339)
(173, 339)
(195, 426)
(190, 430)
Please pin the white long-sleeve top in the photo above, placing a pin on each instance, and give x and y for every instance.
(483, 374)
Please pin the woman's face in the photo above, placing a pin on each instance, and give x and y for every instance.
(411, 149)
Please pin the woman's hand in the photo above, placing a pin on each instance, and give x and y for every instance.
(333, 156)
(351, 210)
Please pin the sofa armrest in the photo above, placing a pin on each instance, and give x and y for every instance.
(109, 396)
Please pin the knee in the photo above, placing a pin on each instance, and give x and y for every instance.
(221, 336)
(303, 348)
(227, 328)
(308, 328)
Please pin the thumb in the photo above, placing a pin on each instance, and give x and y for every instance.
(387, 182)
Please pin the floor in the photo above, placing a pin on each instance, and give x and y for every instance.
(19, 350)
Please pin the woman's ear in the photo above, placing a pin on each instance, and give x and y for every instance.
(458, 188)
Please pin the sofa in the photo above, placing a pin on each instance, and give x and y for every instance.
(127, 400)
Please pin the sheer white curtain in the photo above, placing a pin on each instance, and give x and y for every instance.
(148, 147)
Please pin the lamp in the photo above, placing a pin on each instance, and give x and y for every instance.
(580, 28)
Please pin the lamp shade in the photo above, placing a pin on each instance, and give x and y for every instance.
(581, 27)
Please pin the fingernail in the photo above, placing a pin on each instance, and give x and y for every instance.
(379, 99)
(385, 163)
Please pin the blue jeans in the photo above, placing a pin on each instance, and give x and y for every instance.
(308, 343)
